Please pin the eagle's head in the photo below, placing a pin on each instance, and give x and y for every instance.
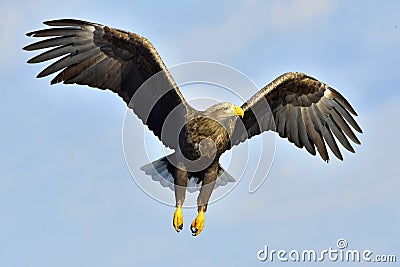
(223, 111)
(225, 114)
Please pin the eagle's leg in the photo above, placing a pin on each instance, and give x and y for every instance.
(206, 189)
(180, 183)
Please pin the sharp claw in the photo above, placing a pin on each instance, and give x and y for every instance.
(194, 230)
(177, 221)
(180, 227)
(198, 224)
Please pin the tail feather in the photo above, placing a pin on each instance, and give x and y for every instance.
(223, 177)
(159, 172)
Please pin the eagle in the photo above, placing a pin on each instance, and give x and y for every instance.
(307, 112)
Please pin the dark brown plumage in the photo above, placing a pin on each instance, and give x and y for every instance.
(298, 107)
(304, 110)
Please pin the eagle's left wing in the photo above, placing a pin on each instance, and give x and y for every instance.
(123, 62)
(306, 111)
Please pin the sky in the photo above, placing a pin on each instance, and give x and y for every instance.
(67, 197)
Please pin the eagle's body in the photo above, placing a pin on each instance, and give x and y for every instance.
(298, 107)
(203, 126)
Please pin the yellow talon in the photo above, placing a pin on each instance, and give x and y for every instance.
(198, 224)
(178, 219)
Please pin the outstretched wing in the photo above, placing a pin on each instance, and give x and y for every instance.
(108, 58)
(306, 111)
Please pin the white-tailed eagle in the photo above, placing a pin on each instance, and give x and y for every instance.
(298, 107)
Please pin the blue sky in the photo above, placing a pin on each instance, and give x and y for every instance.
(67, 197)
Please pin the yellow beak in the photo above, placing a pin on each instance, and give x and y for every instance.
(238, 111)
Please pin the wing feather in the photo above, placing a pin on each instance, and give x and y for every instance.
(339, 134)
(304, 137)
(315, 128)
(294, 126)
(68, 22)
(82, 70)
(57, 52)
(345, 114)
(99, 56)
(344, 127)
(326, 132)
(66, 31)
(282, 120)
(67, 61)
(306, 111)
